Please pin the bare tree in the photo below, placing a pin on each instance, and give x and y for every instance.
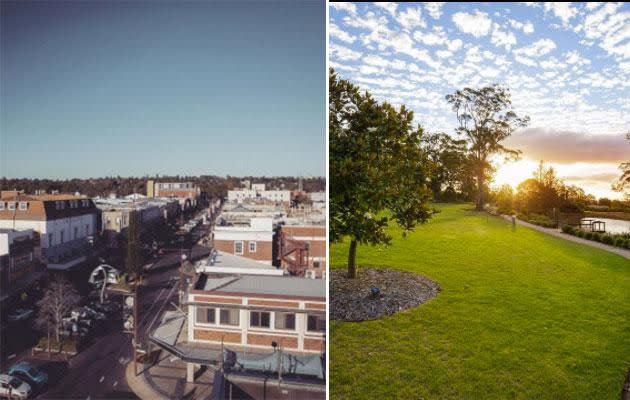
(59, 298)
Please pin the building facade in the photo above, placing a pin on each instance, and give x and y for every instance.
(254, 312)
(303, 248)
(65, 225)
(253, 240)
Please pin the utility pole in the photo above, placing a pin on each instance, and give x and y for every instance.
(135, 328)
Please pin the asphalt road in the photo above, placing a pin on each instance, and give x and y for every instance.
(99, 370)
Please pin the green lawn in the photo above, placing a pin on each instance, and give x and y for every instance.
(521, 315)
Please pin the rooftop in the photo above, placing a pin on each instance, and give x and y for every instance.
(264, 285)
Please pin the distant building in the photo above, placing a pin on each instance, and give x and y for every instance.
(253, 240)
(65, 225)
(187, 193)
(258, 192)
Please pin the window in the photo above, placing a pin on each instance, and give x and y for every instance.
(1, 205)
(23, 205)
(205, 315)
(316, 264)
(50, 239)
(252, 247)
(259, 319)
(61, 235)
(87, 229)
(238, 247)
(76, 232)
(11, 205)
(229, 317)
(285, 321)
(315, 323)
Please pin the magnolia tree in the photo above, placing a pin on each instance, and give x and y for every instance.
(58, 300)
(378, 170)
(486, 119)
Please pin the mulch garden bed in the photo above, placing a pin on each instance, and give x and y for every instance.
(354, 300)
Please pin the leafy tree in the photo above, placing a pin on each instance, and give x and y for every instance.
(486, 119)
(133, 259)
(58, 300)
(378, 170)
(449, 161)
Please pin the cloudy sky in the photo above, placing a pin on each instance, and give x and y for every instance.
(566, 64)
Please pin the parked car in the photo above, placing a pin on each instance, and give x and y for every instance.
(12, 388)
(29, 373)
(20, 314)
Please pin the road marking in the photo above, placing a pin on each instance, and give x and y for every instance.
(115, 383)
(102, 379)
(11, 356)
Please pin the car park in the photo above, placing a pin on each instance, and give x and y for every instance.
(14, 388)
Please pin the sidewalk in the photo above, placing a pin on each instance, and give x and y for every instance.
(167, 380)
(557, 233)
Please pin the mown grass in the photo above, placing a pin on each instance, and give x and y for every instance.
(521, 315)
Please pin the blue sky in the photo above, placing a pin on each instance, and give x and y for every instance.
(567, 66)
(134, 88)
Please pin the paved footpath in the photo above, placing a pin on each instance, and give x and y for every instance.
(558, 233)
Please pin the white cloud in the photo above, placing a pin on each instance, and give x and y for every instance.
(477, 24)
(536, 49)
(562, 10)
(434, 9)
(444, 53)
(411, 18)
(343, 53)
(434, 38)
(611, 27)
(347, 7)
(390, 7)
(524, 60)
(574, 57)
(502, 38)
(340, 34)
(455, 45)
(526, 27)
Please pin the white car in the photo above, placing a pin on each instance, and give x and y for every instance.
(14, 388)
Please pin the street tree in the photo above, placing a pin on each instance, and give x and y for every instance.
(378, 170)
(485, 119)
(58, 300)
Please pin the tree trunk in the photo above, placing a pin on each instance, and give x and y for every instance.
(352, 260)
(479, 203)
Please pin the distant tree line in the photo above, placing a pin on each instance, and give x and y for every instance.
(214, 186)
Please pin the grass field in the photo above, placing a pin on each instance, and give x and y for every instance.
(521, 315)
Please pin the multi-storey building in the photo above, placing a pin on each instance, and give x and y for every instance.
(187, 193)
(258, 192)
(253, 240)
(303, 249)
(18, 265)
(65, 225)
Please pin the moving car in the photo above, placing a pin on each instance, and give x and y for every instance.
(29, 373)
(14, 388)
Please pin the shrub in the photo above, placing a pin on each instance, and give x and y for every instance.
(579, 233)
(608, 239)
(597, 237)
(588, 235)
(620, 242)
(568, 229)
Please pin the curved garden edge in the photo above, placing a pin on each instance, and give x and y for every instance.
(352, 300)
